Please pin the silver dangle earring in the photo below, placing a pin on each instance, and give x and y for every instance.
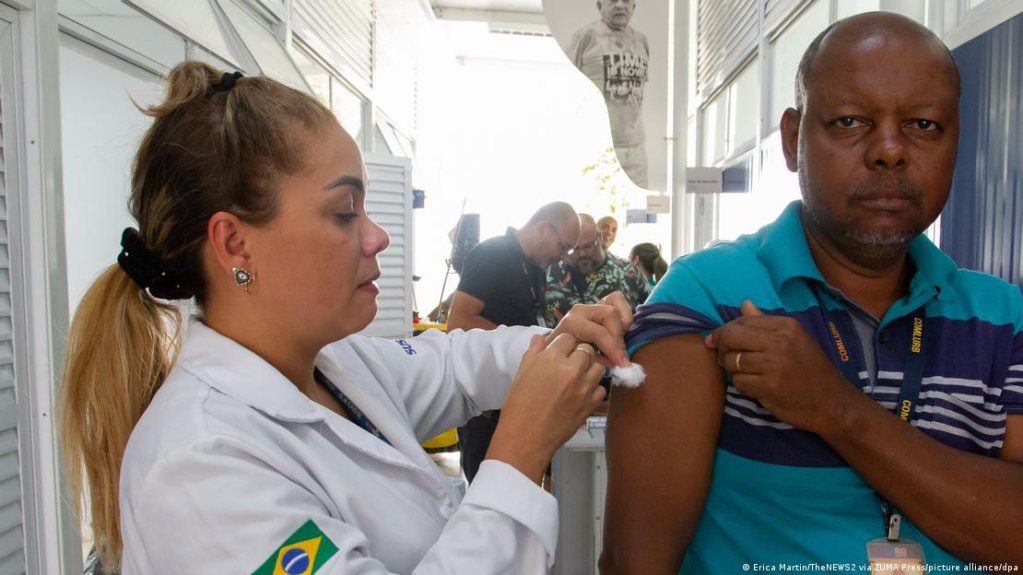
(243, 277)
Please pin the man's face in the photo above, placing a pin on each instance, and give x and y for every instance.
(875, 144)
(608, 230)
(588, 254)
(616, 13)
(560, 239)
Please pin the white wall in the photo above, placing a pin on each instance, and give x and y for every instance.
(101, 130)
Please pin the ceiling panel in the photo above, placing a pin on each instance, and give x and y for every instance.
(514, 16)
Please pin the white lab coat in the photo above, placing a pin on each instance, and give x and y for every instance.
(230, 459)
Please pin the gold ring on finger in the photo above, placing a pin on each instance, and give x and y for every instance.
(738, 361)
(585, 348)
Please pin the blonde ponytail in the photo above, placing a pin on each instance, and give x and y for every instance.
(121, 345)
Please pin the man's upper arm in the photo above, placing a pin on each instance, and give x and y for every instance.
(661, 441)
(1012, 444)
(477, 286)
(466, 312)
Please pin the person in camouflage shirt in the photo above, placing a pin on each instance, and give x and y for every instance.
(587, 274)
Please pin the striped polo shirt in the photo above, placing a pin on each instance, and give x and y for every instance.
(782, 495)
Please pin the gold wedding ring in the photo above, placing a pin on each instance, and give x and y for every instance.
(585, 348)
(738, 360)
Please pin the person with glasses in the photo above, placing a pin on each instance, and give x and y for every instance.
(588, 273)
(502, 282)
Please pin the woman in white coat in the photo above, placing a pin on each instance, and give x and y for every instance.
(272, 440)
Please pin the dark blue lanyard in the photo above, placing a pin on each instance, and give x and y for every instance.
(913, 371)
(846, 352)
(537, 290)
(912, 378)
(358, 417)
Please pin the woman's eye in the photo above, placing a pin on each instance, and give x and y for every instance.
(347, 217)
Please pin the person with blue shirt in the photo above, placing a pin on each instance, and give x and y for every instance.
(833, 389)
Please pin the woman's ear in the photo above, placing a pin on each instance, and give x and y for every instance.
(227, 234)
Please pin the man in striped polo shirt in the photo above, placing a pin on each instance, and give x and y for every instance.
(811, 384)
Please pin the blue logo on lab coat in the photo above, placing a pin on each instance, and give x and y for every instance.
(406, 346)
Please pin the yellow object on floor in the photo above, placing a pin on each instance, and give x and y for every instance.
(422, 326)
(443, 441)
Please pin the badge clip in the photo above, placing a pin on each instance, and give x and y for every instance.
(894, 522)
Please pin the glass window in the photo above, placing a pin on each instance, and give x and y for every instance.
(715, 129)
(775, 187)
(127, 27)
(197, 52)
(744, 109)
(264, 46)
(848, 8)
(349, 108)
(785, 53)
(315, 75)
(402, 145)
(380, 143)
(194, 19)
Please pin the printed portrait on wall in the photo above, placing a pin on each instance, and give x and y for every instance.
(621, 46)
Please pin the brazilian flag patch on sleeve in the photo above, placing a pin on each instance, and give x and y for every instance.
(305, 551)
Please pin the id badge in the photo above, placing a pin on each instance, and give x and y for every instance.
(897, 557)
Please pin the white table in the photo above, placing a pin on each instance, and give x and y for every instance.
(580, 482)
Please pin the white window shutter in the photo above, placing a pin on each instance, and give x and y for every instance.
(389, 203)
(341, 33)
(12, 530)
(726, 37)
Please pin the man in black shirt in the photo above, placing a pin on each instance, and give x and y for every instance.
(503, 282)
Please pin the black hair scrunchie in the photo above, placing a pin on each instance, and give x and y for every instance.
(228, 81)
(146, 269)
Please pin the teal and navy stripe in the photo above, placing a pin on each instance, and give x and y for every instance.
(960, 404)
(972, 379)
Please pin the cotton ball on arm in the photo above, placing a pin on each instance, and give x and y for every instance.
(630, 376)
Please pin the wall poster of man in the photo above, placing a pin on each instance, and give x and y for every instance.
(621, 46)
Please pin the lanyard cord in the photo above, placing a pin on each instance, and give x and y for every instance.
(848, 359)
(530, 280)
(358, 417)
(909, 391)
(537, 290)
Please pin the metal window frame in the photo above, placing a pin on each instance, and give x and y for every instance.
(239, 57)
(52, 543)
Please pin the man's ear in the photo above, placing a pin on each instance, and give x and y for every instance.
(226, 234)
(790, 137)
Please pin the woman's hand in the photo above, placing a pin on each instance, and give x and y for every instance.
(602, 324)
(555, 389)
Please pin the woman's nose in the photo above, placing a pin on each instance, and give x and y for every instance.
(374, 239)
